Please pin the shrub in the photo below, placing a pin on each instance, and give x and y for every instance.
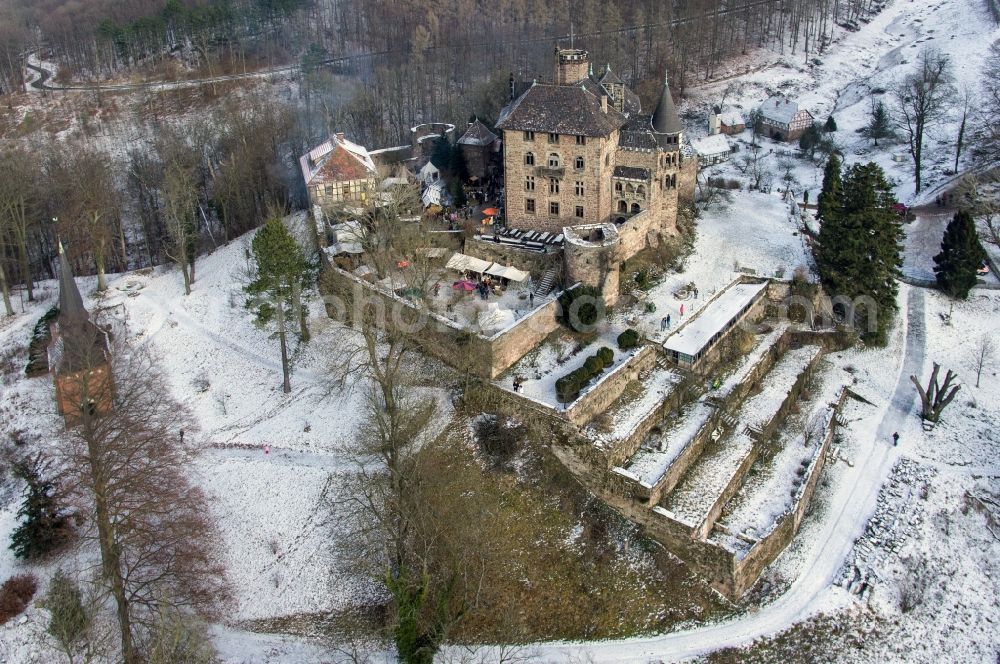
(15, 595)
(498, 438)
(607, 356)
(567, 388)
(38, 356)
(580, 315)
(594, 365)
(628, 339)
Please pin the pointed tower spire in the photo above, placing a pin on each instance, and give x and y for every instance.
(665, 119)
(71, 307)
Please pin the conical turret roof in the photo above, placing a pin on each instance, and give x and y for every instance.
(70, 301)
(665, 119)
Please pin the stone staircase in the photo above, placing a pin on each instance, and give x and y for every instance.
(546, 283)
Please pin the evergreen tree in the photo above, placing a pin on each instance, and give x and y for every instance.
(457, 164)
(860, 242)
(280, 270)
(829, 202)
(879, 126)
(961, 255)
(44, 524)
(810, 140)
(441, 155)
(831, 125)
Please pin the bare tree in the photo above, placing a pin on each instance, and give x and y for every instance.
(180, 202)
(149, 521)
(17, 213)
(965, 106)
(923, 100)
(986, 148)
(982, 355)
(936, 396)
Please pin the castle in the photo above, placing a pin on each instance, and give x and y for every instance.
(579, 153)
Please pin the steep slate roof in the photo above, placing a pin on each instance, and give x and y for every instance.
(477, 134)
(71, 309)
(631, 102)
(665, 119)
(337, 160)
(637, 134)
(631, 173)
(560, 109)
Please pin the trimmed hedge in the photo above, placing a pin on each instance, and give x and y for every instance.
(38, 347)
(628, 339)
(568, 387)
(587, 313)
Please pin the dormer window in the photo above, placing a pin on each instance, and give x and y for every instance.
(553, 138)
(581, 140)
(529, 135)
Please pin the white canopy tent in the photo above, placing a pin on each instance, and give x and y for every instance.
(463, 263)
(511, 273)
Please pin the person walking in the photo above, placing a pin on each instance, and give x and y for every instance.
(682, 310)
(668, 321)
(895, 438)
(663, 324)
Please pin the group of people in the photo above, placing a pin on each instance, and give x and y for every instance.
(518, 383)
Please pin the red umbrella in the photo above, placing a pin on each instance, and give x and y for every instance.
(464, 283)
(491, 212)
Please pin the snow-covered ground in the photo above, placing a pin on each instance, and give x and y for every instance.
(268, 461)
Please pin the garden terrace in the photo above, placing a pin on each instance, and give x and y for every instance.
(649, 466)
(719, 471)
(774, 480)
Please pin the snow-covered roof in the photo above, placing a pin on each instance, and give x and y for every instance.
(435, 194)
(337, 159)
(477, 134)
(712, 319)
(711, 145)
(779, 109)
(730, 117)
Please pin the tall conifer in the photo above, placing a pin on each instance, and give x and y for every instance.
(961, 255)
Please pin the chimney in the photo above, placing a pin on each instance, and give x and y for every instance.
(604, 103)
(340, 136)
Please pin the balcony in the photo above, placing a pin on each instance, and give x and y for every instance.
(547, 172)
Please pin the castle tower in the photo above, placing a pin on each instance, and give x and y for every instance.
(572, 65)
(665, 122)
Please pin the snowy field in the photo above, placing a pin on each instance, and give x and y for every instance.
(268, 460)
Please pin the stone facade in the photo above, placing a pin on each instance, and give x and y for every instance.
(580, 153)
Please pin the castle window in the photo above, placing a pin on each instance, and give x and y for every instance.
(640, 191)
(579, 212)
(529, 205)
(553, 138)
(581, 140)
(529, 135)
(553, 185)
(579, 188)
(578, 163)
(630, 189)
(635, 208)
(554, 209)
(529, 183)
(553, 160)
(607, 159)
(529, 158)
(622, 206)
(618, 188)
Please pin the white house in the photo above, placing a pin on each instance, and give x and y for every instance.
(711, 149)
(429, 174)
(726, 121)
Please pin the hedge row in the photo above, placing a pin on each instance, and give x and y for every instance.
(38, 347)
(568, 387)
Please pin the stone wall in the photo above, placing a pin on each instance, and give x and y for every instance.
(637, 233)
(523, 259)
(486, 357)
(770, 546)
(610, 386)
